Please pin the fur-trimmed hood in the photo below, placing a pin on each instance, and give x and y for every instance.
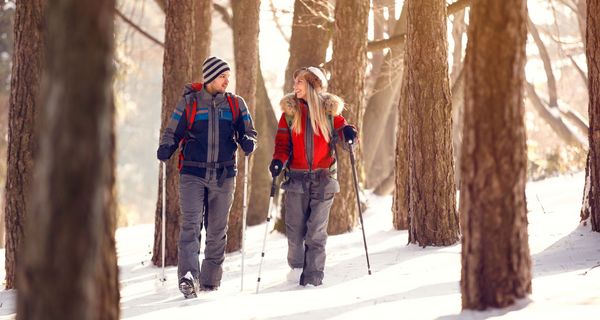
(333, 104)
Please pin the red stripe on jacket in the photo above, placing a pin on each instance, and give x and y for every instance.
(322, 155)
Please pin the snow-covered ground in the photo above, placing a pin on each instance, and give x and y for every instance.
(407, 282)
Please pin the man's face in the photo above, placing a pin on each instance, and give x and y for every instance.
(220, 83)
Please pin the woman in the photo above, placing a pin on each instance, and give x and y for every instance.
(310, 126)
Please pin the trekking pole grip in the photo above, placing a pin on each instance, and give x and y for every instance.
(272, 194)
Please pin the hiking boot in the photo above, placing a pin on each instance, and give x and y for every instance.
(187, 287)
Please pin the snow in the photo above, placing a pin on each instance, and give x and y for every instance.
(407, 281)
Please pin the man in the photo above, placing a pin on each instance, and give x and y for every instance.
(208, 122)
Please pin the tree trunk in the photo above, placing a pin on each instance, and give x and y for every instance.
(266, 125)
(201, 36)
(458, 111)
(585, 211)
(593, 61)
(496, 266)
(245, 39)
(349, 63)
(456, 82)
(107, 275)
(432, 195)
(311, 32)
(458, 29)
(381, 105)
(6, 45)
(310, 37)
(177, 71)
(401, 190)
(59, 278)
(22, 139)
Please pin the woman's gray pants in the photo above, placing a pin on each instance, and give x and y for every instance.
(307, 206)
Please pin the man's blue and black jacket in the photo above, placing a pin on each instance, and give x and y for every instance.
(209, 145)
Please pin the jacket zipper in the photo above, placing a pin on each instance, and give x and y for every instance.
(309, 142)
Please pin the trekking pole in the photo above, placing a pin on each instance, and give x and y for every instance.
(164, 210)
(351, 143)
(262, 254)
(244, 213)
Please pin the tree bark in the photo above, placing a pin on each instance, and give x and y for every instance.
(201, 36)
(458, 29)
(347, 80)
(432, 195)
(457, 89)
(177, 71)
(107, 275)
(22, 138)
(402, 191)
(245, 40)
(496, 266)
(458, 111)
(310, 37)
(587, 189)
(380, 105)
(593, 61)
(585, 211)
(68, 246)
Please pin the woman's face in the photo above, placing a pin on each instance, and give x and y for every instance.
(300, 87)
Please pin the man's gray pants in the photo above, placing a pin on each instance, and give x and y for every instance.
(193, 191)
(306, 219)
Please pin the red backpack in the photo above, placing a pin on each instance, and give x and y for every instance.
(190, 112)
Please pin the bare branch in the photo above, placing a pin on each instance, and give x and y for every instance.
(398, 40)
(575, 118)
(276, 19)
(552, 92)
(457, 6)
(394, 41)
(138, 28)
(580, 71)
(553, 118)
(224, 13)
(162, 4)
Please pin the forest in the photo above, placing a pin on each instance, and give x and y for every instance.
(472, 186)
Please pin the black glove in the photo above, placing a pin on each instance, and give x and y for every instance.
(164, 152)
(276, 167)
(350, 133)
(248, 145)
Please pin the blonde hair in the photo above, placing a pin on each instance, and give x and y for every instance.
(318, 117)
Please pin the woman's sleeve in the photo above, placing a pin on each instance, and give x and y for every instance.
(283, 141)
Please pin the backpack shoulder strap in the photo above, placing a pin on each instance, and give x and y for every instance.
(333, 144)
(334, 133)
(289, 120)
(234, 106)
(191, 113)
